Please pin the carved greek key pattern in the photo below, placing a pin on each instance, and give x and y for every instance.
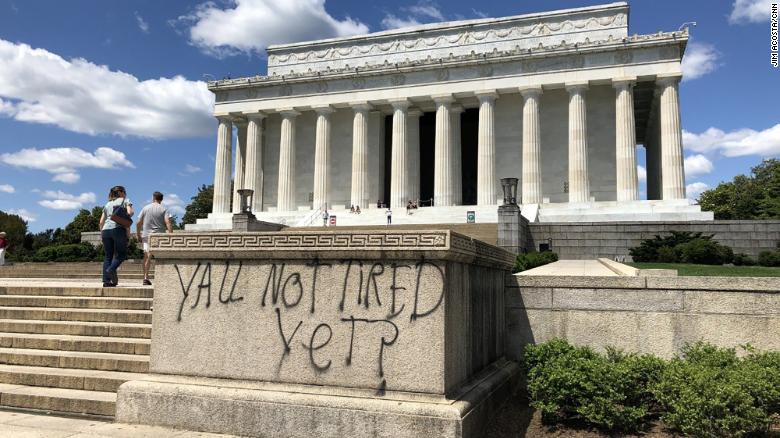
(304, 241)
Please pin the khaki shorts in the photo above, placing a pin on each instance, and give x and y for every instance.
(145, 241)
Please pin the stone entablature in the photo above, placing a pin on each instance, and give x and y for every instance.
(643, 54)
(452, 39)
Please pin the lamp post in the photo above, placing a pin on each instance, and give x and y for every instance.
(245, 195)
(509, 186)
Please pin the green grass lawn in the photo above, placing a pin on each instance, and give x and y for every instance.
(712, 271)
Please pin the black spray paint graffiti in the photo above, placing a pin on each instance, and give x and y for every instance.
(284, 290)
(205, 284)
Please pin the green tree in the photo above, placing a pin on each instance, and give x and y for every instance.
(16, 229)
(200, 206)
(85, 220)
(754, 196)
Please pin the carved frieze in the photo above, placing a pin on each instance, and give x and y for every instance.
(455, 38)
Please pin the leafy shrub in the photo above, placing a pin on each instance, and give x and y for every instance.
(534, 259)
(742, 259)
(682, 247)
(667, 255)
(133, 251)
(77, 252)
(709, 391)
(610, 391)
(704, 252)
(769, 258)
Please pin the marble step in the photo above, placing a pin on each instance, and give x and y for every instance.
(78, 291)
(60, 400)
(97, 344)
(67, 378)
(76, 302)
(75, 359)
(81, 328)
(71, 314)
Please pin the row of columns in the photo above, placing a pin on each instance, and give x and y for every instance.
(405, 170)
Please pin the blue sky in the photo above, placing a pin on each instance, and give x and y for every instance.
(95, 93)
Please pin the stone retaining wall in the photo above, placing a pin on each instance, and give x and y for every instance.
(590, 240)
(655, 315)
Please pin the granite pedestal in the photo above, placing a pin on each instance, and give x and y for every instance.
(332, 334)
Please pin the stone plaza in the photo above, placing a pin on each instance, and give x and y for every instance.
(437, 114)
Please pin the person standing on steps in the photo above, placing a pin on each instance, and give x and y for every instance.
(325, 216)
(389, 214)
(114, 232)
(3, 247)
(154, 218)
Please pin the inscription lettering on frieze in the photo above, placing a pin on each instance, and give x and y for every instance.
(353, 318)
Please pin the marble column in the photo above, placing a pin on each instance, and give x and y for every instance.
(626, 180)
(486, 149)
(240, 165)
(579, 187)
(413, 162)
(672, 163)
(253, 179)
(457, 165)
(442, 171)
(359, 190)
(322, 159)
(399, 155)
(531, 192)
(285, 200)
(222, 171)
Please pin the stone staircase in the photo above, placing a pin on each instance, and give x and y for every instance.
(66, 348)
(130, 270)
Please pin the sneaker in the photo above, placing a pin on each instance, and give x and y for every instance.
(114, 277)
(147, 282)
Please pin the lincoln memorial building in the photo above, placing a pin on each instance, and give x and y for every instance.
(565, 101)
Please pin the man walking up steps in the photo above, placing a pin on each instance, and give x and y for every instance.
(154, 218)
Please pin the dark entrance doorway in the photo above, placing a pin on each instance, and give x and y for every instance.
(469, 125)
(468, 142)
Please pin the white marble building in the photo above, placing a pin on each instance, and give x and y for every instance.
(563, 100)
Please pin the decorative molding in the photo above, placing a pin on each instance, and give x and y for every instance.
(531, 57)
(374, 244)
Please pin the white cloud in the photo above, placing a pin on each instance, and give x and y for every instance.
(64, 162)
(736, 143)
(189, 168)
(696, 165)
(393, 22)
(422, 12)
(59, 200)
(693, 190)
(246, 26)
(750, 11)
(174, 203)
(641, 173)
(142, 24)
(699, 60)
(7, 188)
(42, 87)
(24, 214)
(67, 178)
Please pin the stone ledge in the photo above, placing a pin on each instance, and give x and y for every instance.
(282, 410)
(750, 284)
(552, 281)
(366, 244)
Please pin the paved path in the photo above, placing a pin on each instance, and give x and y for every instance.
(26, 425)
(586, 268)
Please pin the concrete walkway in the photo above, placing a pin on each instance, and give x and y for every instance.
(26, 425)
(579, 268)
